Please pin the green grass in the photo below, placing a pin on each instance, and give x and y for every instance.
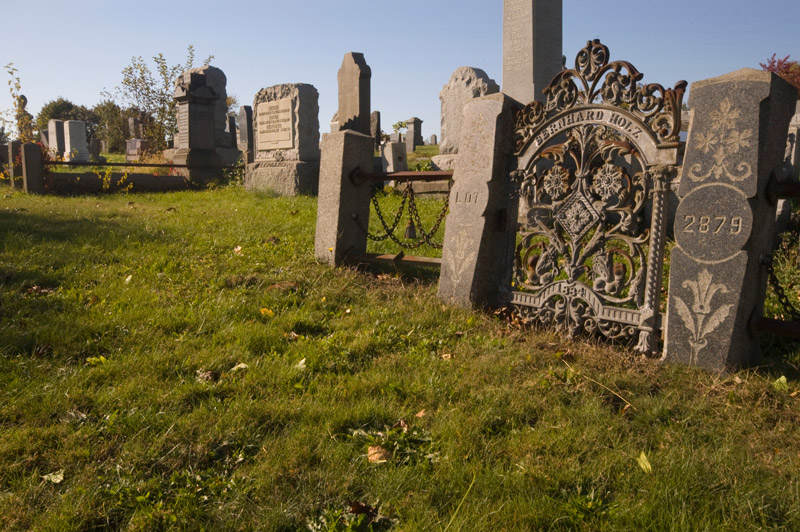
(421, 158)
(185, 364)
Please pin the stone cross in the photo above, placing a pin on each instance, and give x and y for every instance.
(354, 93)
(532, 47)
(725, 222)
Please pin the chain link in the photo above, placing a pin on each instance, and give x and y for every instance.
(785, 303)
(413, 212)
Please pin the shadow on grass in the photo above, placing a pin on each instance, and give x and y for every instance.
(58, 229)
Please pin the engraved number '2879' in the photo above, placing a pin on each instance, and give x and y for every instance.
(712, 224)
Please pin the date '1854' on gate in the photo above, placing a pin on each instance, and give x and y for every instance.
(714, 225)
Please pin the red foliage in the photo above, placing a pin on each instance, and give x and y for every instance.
(788, 70)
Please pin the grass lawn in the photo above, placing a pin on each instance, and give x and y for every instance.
(180, 361)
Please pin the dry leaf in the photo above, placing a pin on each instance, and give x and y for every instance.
(240, 365)
(237, 250)
(421, 413)
(446, 356)
(128, 279)
(401, 424)
(301, 365)
(377, 454)
(644, 463)
(55, 478)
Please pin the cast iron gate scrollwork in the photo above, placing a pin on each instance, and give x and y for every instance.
(594, 167)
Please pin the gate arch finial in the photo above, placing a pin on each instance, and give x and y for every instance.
(596, 81)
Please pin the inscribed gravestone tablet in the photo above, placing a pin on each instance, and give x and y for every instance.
(275, 123)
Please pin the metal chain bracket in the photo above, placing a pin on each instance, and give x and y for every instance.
(783, 299)
(388, 232)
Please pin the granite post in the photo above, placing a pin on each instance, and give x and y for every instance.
(532, 47)
(480, 228)
(15, 163)
(725, 221)
(32, 169)
(286, 140)
(354, 93)
(343, 200)
(393, 157)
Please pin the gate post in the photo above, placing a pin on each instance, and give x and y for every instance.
(32, 169)
(481, 226)
(343, 200)
(725, 223)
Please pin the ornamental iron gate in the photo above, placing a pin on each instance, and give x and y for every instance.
(594, 165)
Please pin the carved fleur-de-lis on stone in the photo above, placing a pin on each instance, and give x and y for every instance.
(702, 319)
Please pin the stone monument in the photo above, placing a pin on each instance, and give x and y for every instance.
(465, 84)
(354, 93)
(246, 133)
(413, 134)
(532, 47)
(724, 224)
(55, 130)
(75, 148)
(196, 104)
(286, 140)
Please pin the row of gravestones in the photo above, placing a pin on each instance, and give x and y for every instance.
(724, 226)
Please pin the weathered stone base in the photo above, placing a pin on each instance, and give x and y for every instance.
(286, 178)
(205, 164)
(444, 162)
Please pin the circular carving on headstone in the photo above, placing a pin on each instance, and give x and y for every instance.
(713, 223)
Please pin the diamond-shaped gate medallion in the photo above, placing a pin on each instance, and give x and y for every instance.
(577, 216)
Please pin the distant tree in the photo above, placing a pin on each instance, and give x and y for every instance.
(113, 128)
(233, 104)
(63, 109)
(3, 135)
(151, 94)
(788, 70)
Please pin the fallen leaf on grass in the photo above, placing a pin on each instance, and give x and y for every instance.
(301, 365)
(781, 384)
(171, 209)
(401, 424)
(421, 413)
(239, 366)
(37, 290)
(446, 356)
(55, 478)
(238, 250)
(644, 463)
(207, 376)
(377, 454)
(128, 279)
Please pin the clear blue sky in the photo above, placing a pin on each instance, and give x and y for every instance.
(76, 49)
